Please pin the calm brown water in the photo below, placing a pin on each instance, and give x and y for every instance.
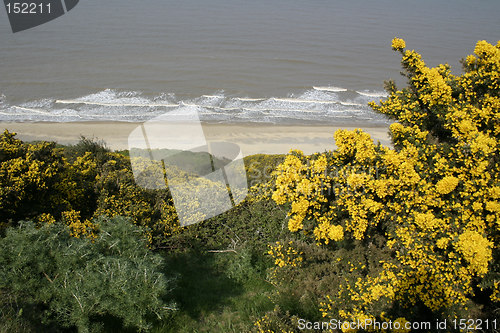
(233, 60)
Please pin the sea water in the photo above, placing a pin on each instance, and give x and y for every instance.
(262, 61)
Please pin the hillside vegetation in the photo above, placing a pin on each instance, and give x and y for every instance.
(395, 236)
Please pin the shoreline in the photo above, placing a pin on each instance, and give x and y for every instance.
(253, 138)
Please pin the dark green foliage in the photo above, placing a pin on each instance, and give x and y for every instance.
(78, 282)
(259, 167)
(216, 292)
(222, 269)
(97, 148)
(250, 225)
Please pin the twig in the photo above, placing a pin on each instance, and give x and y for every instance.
(222, 251)
(47, 277)
(80, 304)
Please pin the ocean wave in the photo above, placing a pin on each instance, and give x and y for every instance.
(314, 105)
(76, 101)
(246, 99)
(374, 94)
(32, 110)
(297, 100)
(213, 96)
(209, 106)
(331, 89)
(246, 108)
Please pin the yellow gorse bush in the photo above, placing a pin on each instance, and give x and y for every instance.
(435, 196)
(285, 254)
(44, 183)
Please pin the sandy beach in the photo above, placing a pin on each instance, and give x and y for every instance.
(252, 138)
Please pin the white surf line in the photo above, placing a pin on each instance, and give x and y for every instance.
(212, 96)
(347, 111)
(331, 89)
(251, 109)
(282, 110)
(218, 107)
(295, 100)
(287, 110)
(351, 104)
(374, 94)
(249, 99)
(74, 101)
(208, 106)
(32, 110)
(291, 100)
(105, 115)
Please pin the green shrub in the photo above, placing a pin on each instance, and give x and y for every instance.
(76, 282)
(251, 224)
(95, 147)
(259, 167)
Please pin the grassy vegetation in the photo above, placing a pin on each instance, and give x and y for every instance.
(216, 293)
(221, 269)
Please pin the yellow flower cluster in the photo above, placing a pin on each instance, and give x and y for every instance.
(45, 218)
(486, 51)
(447, 184)
(495, 296)
(77, 227)
(285, 255)
(402, 323)
(265, 324)
(437, 90)
(326, 231)
(261, 323)
(476, 250)
(357, 144)
(427, 221)
(299, 211)
(398, 44)
(288, 173)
